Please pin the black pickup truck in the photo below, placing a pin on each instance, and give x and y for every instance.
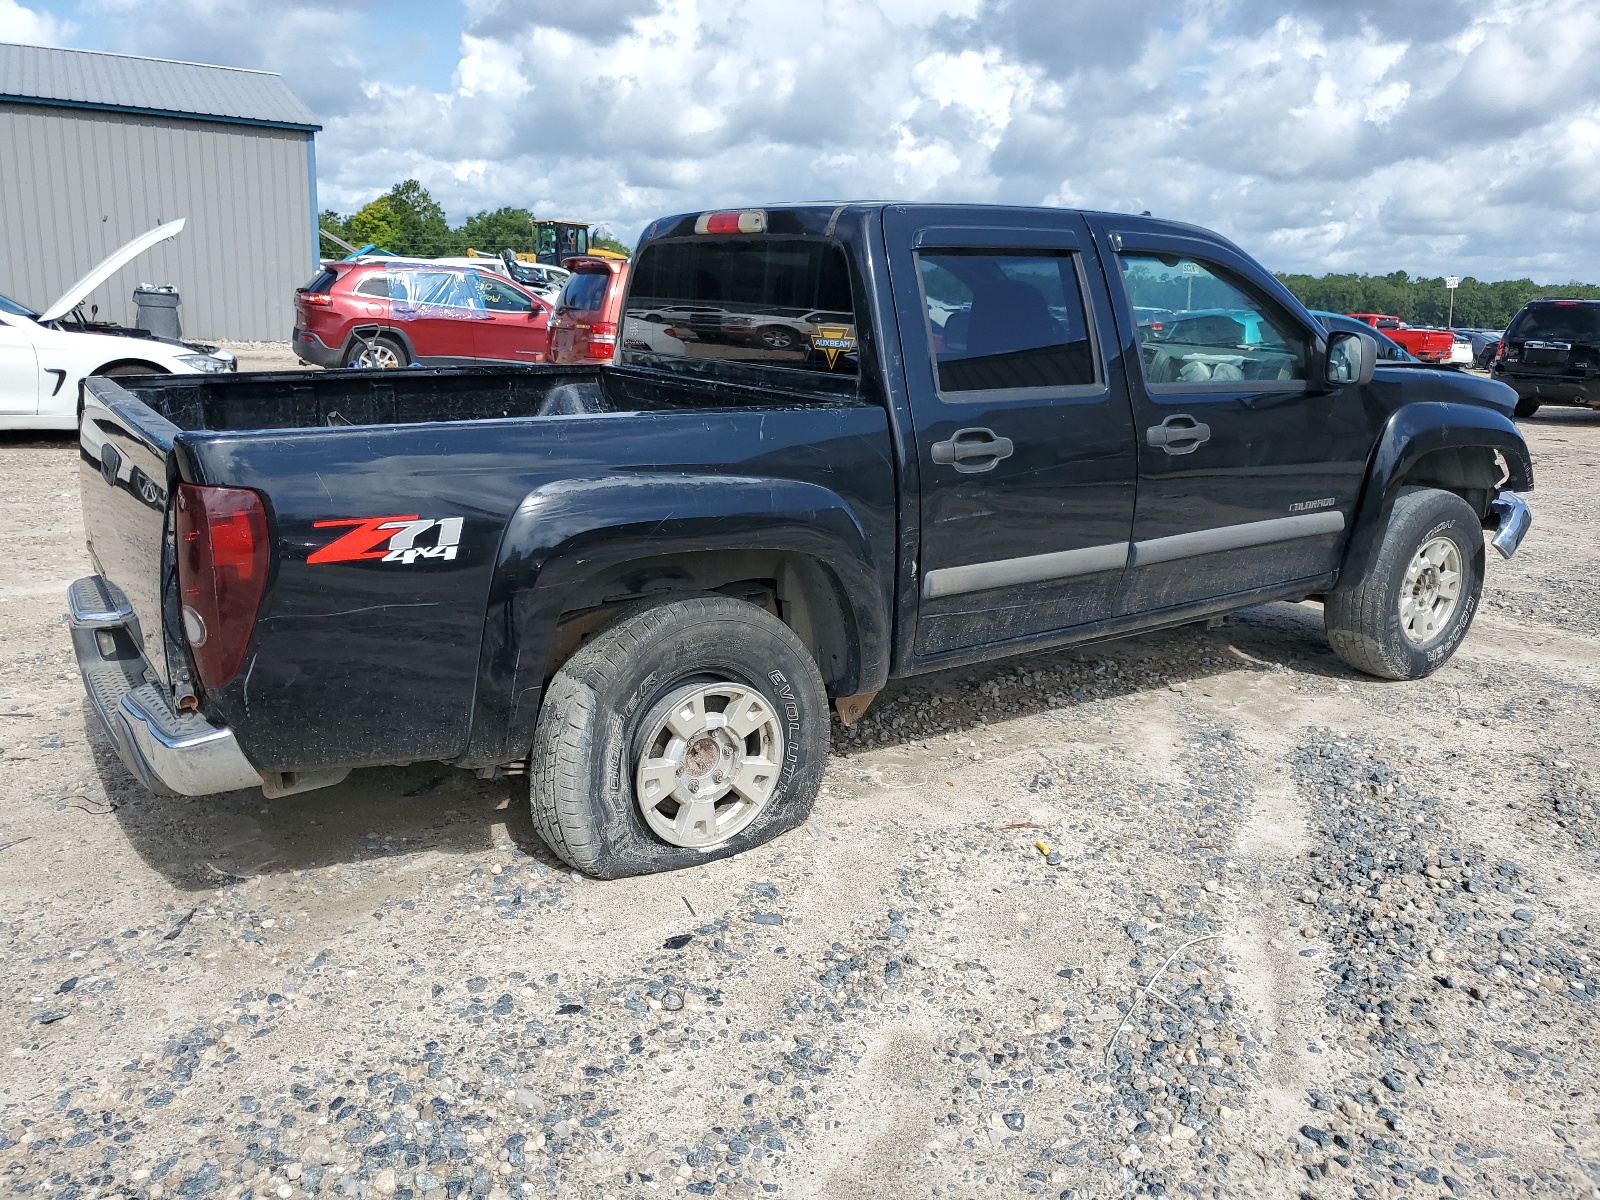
(838, 445)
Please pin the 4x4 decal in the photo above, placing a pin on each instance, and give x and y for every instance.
(390, 539)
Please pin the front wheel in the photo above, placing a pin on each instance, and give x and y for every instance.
(688, 730)
(1405, 615)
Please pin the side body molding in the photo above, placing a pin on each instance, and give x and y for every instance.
(1416, 430)
(567, 532)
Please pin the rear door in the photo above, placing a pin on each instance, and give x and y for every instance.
(436, 310)
(579, 306)
(1248, 476)
(1023, 428)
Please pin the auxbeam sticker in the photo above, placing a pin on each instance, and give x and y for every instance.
(834, 340)
(390, 539)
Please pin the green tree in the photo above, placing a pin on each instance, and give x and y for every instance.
(1478, 304)
(503, 229)
(406, 220)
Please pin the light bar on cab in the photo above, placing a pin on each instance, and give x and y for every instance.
(751, 220)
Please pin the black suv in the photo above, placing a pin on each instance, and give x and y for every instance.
(1552, 354)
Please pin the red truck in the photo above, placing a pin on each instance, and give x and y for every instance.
(1430, 345)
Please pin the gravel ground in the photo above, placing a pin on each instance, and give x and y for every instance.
(1198, 913)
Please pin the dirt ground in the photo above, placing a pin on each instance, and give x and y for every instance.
(1197, 913)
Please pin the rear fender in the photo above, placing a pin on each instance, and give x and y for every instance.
(363, 333)
(1415, 431)
(566, 533)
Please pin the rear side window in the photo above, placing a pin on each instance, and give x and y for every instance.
(585, 291)
(1006, 321)
(376, 284)
(766, 301)
(1558, 323)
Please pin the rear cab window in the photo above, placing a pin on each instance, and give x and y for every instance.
(322, 282)
(1216, 331)
(769, 303)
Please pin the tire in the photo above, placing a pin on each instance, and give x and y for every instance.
(778, 337)
(1365, 618)
(381, 353)
(1526, 408)
(600, 710)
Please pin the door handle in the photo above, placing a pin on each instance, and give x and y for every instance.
(1179, 434)
(972, 451)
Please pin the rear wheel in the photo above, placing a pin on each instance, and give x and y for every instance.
(378, 353)
(688, 730)
(1527, 407)
(1405, 615)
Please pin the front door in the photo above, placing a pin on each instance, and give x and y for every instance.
(1248, 472)
(19, 371)
(1023, 432)
(515, 327)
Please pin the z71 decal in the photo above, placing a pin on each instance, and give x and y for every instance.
(390, 539)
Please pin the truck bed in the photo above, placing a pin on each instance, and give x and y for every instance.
(526, 465)
(303, 400)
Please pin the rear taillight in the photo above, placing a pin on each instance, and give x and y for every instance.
(602, 339)
(223, 558)
(319, 298)
(1499, 351)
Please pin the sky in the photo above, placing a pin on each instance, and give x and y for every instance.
(1448, 137)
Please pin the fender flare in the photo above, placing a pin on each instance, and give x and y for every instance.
(1414, 431)
(360, 331)
(570, 531)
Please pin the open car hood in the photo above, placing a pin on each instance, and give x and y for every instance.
(113, 262)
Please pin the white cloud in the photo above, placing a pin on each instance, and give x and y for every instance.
(1462, 135)
(31, 27)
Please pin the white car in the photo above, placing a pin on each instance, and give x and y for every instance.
(44, 356)
(644, 334)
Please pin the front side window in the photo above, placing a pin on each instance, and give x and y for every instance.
(1214, 327)
(500, 296)
(764, 301)
(1001, 320)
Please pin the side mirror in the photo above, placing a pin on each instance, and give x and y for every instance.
(1352, 357)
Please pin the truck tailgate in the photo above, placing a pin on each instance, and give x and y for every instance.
(124, 448)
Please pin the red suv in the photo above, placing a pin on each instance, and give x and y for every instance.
(389, 314)
(584, 325)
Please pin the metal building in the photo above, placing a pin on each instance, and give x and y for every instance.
(97, 148)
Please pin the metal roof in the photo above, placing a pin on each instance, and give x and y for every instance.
(158, 86)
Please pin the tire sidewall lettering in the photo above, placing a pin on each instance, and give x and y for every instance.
(791, 728)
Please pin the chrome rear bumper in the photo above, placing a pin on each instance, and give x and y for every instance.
(1513, 517)
(171, 753)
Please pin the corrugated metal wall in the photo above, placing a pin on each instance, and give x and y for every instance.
(77, 184)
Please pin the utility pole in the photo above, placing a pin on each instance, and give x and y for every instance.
(1451, 283)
